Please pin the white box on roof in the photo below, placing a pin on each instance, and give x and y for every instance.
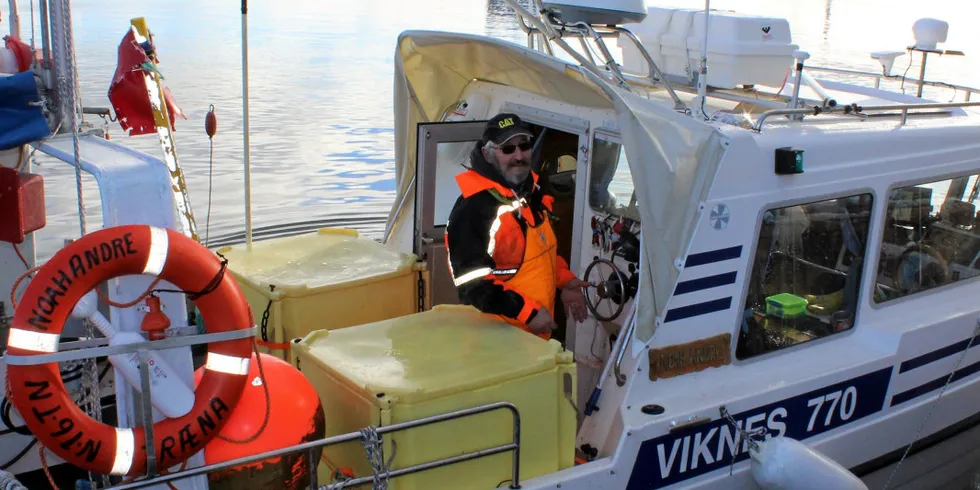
(742, 49)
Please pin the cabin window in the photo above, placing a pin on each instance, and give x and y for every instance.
(931, 237)
(610, 182)
(806, 274)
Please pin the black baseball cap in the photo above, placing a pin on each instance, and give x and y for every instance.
(504, 127)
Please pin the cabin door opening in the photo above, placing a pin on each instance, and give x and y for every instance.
(443, 149)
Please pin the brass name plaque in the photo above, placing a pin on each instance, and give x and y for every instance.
(692, 357)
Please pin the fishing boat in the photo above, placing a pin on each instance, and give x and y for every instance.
(781, 262)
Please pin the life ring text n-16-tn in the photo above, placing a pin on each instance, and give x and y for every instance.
(38, 392)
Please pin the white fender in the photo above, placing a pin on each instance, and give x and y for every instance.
(782, 463)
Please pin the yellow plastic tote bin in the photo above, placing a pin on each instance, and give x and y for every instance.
(328, 279)
(447, 359)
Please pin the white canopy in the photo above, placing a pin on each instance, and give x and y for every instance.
(672, 157)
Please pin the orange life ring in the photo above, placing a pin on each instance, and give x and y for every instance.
(38, 391)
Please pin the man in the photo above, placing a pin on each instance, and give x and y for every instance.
(502, 248)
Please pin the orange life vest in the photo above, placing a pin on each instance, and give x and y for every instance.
(525, 262)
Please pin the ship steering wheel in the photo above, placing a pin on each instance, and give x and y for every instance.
(920, 267)
(603, 287)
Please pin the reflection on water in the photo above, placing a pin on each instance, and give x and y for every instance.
(321, 91)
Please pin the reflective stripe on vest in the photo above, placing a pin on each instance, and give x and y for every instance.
(501, 211)
(471, 276)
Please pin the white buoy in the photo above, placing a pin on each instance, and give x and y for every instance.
(787, 464)
(168, 392)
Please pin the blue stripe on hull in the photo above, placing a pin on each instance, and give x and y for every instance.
(713, 256)
(934, 384)
(705, 283)
(698, 309)
(935, 355)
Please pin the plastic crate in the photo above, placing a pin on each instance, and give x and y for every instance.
(447, 359)
(329, 279)
(785, 305)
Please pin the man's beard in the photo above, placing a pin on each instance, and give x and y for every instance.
(513, 178)
(517, 177)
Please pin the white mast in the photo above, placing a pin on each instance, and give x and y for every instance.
(248, 171)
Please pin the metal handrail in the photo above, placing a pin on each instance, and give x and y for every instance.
(655, 69)
(620, 377)
(312, 446)
(98, 347)
(880, 76)
(551, 36)
(583, 30)
(610, 63)
(855, 109)
(531, 31)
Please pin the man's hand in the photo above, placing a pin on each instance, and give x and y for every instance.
(542, 322)
(574, 300)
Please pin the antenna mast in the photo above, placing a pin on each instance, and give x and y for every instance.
(703, 72)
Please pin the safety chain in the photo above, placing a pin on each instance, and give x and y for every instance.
(92, 394)
(421, 289)
(264, 326)
(739, 434)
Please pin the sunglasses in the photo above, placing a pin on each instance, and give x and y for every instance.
(508, 149)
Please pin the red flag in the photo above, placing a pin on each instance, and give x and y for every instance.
(128, 92)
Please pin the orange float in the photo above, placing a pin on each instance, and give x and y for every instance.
(279, 408)
(38, 391)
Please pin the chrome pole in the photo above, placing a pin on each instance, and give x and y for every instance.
(850, 109)
(245, 131)
(550, 35)
(14, 19)
(60, 64)
(45, 35)
(678, 104)
(703, 71)
(922, 75)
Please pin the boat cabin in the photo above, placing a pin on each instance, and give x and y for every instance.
(763, 259)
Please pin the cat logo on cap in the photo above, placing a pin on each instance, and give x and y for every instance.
(506, 122)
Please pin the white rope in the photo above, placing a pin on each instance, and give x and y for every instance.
(380, 469)
(375, 456)
(9, 482)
